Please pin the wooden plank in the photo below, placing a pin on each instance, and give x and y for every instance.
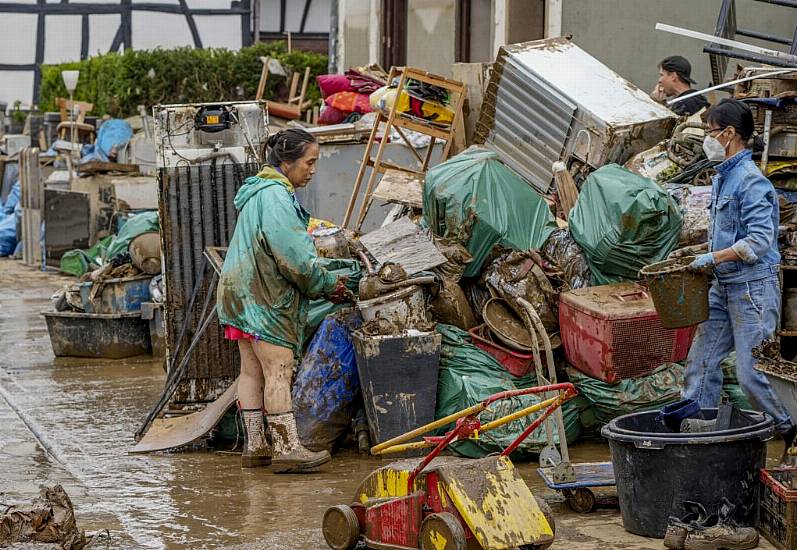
(385, 166)
(404, 243)
(31, 234)
(401, 187)
(99, 167)
(422, 127)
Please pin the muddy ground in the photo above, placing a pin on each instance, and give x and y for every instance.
(85, 412)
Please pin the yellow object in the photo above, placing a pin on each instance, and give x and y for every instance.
(495, 503)
(316, 223)
(489, 494)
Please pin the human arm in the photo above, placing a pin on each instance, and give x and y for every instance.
(292, 247)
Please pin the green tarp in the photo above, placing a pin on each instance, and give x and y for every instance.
(477, 200)
(623, 222)
(469, 375)
(647, 393)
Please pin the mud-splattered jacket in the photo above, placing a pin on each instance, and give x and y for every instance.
(744, 216)
(271, 269)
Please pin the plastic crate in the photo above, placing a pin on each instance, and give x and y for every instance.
(778, 515)
(515, 362)
(612, 332)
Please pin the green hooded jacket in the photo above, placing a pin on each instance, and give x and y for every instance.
(271, 269)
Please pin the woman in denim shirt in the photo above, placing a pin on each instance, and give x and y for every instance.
(744, 300)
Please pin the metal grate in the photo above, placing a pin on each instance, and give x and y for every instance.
(640, 345)
(197, 211)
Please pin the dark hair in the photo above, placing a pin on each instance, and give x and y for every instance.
(735, 113)
(287, 145)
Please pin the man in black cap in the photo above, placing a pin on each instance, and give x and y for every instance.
(675, 81)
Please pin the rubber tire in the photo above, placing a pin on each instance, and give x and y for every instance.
(345, 532)
(455, 531)
(581, 500)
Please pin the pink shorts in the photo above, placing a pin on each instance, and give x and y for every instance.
(233, 333)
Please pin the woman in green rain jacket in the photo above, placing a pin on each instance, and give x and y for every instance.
(270, 272)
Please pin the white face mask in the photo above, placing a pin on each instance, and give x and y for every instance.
(713, 149)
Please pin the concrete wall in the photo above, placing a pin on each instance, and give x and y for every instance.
(621, 32)
(431, 32)
(353, 21)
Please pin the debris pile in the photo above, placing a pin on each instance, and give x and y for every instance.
(49, 519)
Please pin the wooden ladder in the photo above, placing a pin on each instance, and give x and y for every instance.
(400, 121)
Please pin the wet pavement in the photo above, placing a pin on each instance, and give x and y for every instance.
(71, 421)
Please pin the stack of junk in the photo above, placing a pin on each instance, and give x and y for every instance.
(507, 264)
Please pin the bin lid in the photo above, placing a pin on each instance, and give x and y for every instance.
(615, 301)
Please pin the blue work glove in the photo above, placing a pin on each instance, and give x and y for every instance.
(703, 263)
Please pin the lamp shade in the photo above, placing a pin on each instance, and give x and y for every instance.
(70, 79)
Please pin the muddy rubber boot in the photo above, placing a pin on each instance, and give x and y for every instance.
(257, 451)
(290, 456)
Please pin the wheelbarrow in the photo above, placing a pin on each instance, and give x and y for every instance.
(450, 503)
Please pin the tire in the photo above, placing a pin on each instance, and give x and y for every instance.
(445, 528)
(581, 500)
(341, 527)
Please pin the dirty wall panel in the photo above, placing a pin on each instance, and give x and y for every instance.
(197, 211)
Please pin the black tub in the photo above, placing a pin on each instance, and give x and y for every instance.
(657, 470)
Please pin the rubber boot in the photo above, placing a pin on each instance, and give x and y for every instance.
(290, 456)
(257, 451)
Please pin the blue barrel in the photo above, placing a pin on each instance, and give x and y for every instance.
(123, 295)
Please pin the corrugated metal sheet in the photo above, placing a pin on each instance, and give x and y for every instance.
(530, 123)
(196, 209)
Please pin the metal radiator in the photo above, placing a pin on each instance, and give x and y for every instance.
(197, 211)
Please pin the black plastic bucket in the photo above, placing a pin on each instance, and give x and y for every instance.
(398, 377)
(657, 470)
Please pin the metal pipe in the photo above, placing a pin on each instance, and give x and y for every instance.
(764, 36)
(725, 42)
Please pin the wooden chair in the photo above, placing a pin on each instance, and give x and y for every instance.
(84, 133)
(296, 104)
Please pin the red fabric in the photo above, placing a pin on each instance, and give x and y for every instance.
(330, 115)
(330, 84)
(349, 102)
(233, 333)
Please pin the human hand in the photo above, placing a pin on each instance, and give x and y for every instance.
(693, 250)
(341, 294)
(703, 263)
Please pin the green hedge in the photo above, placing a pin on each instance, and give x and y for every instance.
(117, 83)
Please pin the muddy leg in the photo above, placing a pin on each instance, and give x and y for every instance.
(277, 365)
(257, 451)
(250, 385)
(290, 456)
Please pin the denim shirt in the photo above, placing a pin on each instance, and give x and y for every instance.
(744, 216)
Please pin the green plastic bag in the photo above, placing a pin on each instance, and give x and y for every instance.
(623, 222)
(79, 262)
(478, 201)
(652, 392)
(469, 375)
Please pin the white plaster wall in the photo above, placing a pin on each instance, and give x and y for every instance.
(63, 34)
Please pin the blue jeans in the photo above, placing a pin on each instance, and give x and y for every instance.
(741, 316)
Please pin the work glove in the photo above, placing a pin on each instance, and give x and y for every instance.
(703, 263)
(341, 294)
(693, 250)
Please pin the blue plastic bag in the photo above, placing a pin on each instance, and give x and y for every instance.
(11, 201)
(327, 387)
(113, 133)
(8, 234)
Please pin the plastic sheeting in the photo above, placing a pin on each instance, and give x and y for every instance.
(327, 387)
(652, 392)
(469, 375)
(9, 212)
(113, 133)
(623, 222)
(475, 199)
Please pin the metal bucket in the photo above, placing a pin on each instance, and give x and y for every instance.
(679, 295)
(404, 308)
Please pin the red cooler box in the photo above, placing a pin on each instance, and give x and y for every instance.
(613, 332)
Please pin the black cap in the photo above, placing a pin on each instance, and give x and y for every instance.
(680, 65)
